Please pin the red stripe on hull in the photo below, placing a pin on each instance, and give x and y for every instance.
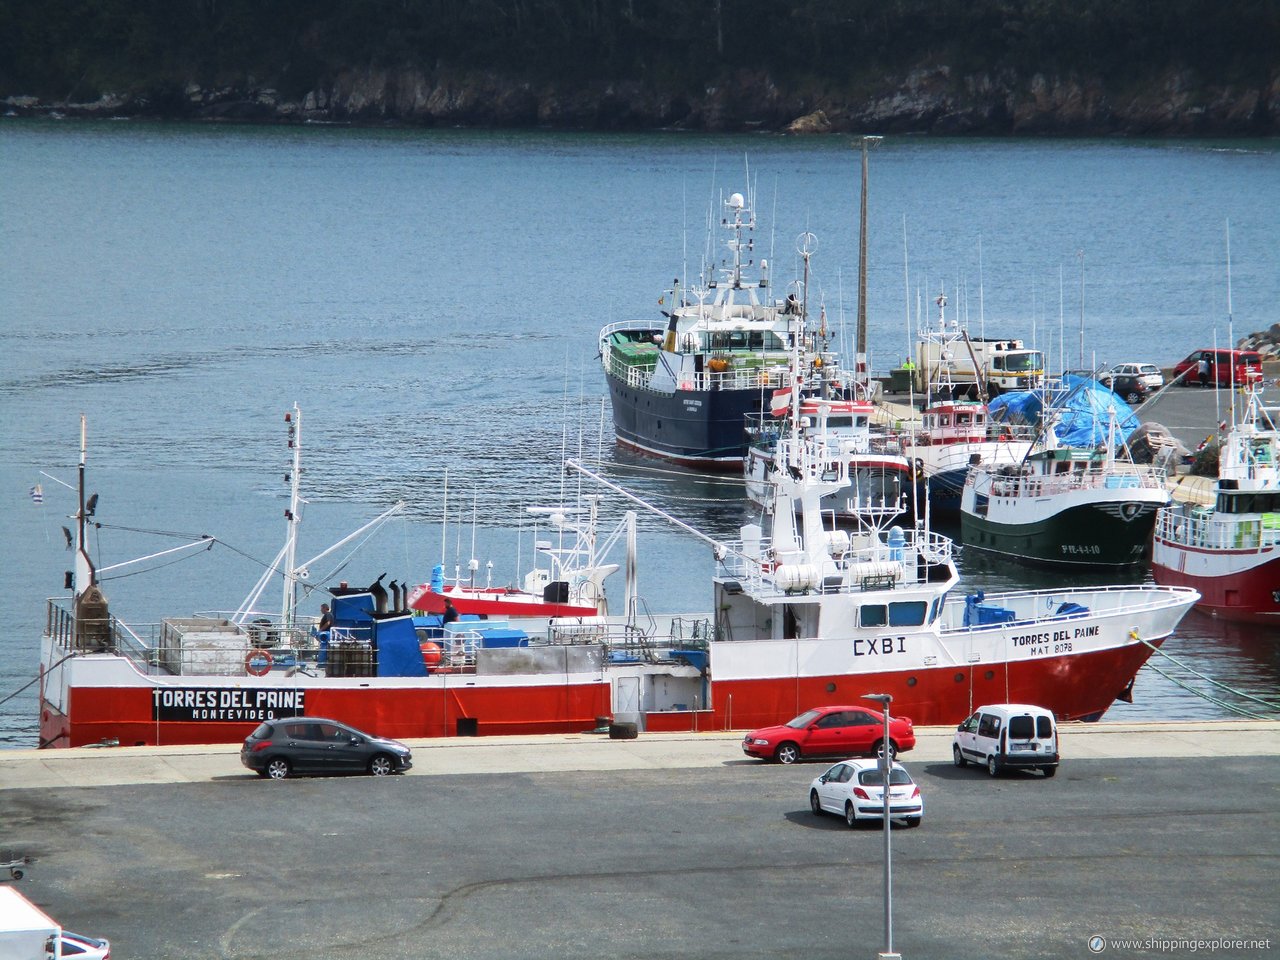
(1083, 686)
(125, 713)
(1248, 596)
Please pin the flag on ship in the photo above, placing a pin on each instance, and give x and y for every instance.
(37, 494)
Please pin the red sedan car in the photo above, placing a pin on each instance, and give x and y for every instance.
(830, 732)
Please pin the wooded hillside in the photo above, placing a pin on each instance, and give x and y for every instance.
(640, 63)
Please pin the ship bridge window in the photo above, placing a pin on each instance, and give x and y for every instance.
(873, 615)
(1249, 502)
(840, 421)
(860, 421)
(907, 613)
(749, 340)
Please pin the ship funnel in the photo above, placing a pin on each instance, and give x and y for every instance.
(379, 594)
(93, 620)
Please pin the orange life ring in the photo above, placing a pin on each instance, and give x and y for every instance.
(257, 662)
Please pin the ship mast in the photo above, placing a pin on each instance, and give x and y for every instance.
(85, 574)
(292, 517)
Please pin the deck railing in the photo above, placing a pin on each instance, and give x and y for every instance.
(1222, 532)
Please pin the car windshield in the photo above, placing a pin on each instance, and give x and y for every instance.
(803, 720)
(1028, 360)
(871, 777)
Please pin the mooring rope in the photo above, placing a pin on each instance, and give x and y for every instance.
(1217, 701)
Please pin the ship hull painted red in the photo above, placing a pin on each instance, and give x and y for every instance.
(1250, 595)
(1074, 687)
(498, 603)
(125, 713)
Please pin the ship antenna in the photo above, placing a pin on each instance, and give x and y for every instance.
(1231, 336)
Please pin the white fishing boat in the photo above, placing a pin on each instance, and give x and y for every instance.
(956, 432)
(1229, 550)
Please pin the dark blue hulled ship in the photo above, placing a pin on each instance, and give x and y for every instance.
(682, 389)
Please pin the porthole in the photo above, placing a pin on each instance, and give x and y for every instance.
(959, 678)
(911, 681)
(831, 688)
(989, 675)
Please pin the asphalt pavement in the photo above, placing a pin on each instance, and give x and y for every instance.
(665, 846)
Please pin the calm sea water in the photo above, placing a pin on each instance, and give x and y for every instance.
(431, 299)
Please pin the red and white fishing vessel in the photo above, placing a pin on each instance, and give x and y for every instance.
(571, 585)
(1230, 551)
(809, 615)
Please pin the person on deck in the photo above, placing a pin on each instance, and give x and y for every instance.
(322, 633)
(450, 612)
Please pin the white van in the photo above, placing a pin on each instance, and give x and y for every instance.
(1005, 735)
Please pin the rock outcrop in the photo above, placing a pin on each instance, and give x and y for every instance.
(929, 99)
(1266, 343)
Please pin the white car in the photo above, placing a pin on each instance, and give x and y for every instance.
(853, 789)
(80, 947)
(1006, 736)
(1149, 373)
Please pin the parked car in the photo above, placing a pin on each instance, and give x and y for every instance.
(1131, 388)
(1001, 736)
(82, 947)
(838, 731)
(855, 789)
(1149, 373)
(279, 748)
(1224, 367)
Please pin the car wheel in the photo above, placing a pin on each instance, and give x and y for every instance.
(993, 768)
(850, 817)
(814, 803)
(913, 821)
(956, 756)
(16, 874)
(1133, 397)
(787, 753)
(1049, 771)
(277, 768)
(878, 749)
(381, 765)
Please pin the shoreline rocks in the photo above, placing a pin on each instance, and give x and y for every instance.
(931, 99)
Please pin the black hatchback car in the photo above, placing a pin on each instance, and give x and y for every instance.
(1132, 388)
(279, 748)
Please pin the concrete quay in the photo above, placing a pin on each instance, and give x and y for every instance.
(590, 752)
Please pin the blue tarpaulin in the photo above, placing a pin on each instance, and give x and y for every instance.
(1080, 409)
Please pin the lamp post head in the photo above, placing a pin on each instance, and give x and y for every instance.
(884, 699)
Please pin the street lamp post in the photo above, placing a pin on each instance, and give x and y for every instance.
(886, 768)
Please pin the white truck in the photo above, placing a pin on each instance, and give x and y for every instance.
(973, 366)
(26, 932)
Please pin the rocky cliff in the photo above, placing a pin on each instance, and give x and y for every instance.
(933, 99)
